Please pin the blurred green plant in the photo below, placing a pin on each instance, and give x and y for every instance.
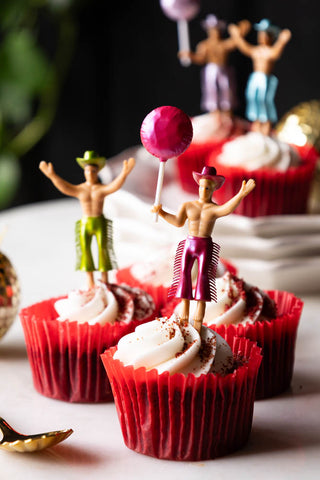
(30, 78)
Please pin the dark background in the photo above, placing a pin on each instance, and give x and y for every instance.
(125, 64)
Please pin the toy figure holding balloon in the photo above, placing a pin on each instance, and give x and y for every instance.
(91, 195)
(167, 132)
(217, 77)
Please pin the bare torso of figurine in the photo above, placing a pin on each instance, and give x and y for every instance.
(214, 51)
(201, 218)
(263, 59)
(91, 198)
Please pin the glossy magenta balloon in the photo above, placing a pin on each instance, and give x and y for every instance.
(180, 9)
(166, 132)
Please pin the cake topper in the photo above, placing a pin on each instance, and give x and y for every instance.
(262, 84)
(166, 132)
(201, 215)
(91, 195)
(217, 77)
(181, 11)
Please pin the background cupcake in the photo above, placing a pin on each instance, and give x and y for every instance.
(64, 348)
(283, 174)
(173, 406)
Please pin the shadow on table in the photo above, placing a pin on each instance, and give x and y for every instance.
(264, 440)
(13, 351)
(64, 454)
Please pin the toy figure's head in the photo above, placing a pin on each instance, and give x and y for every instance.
(91, 158)
(91, 173)
(213, 26)
(267, 33)
(208, 182)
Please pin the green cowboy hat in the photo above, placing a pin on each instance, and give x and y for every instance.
(91, 158)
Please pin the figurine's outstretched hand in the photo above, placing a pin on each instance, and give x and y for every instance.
(234, 30)
(247, 187)
(128, 166)
(244, 27)
(285, 35)
(156, 208)
(46, 168)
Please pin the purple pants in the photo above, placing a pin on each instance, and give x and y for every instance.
(218, 88)
(206, 252)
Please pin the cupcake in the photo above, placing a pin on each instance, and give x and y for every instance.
(65, 337)
(283, 174)
(155, 275)
(269, 318)
(180, 395)
(206, 142)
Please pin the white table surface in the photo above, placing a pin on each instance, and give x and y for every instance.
(285, 438)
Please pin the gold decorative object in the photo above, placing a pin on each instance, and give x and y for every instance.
(9, 294)
(301, 126)
(13, 441)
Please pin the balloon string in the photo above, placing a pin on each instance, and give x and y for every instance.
(183, 41)
(159, 186)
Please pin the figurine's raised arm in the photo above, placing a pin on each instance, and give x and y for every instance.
(117, 183)
(282, 40)
(62, 185)
(177, 220)
(231, 205)
(245, 47)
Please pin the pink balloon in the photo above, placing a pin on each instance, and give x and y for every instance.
(166, 132)
(180, 9)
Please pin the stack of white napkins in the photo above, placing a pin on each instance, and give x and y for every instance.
(275, 252)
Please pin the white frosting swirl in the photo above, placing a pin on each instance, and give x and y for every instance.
(97, 305)
(254, 150)
(166, 345)
(238, 302)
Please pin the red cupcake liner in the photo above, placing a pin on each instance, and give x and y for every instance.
(276, 193)
(185, 418)
(277, 338)
(65, 356)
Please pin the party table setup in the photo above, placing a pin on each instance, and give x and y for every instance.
(161, 318)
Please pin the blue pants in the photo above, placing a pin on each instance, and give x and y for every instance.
(260, 93)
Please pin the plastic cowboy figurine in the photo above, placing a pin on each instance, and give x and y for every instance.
(262, 85)
(91, 195)
(217, 79)
(201, 215)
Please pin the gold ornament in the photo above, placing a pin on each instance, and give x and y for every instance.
(9, 294)
(301, 125)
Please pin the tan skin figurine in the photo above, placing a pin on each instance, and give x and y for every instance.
(91, 195)
(262, 84)
(217, 86)
(201, 215)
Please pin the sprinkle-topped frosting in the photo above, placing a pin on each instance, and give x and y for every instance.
(165, 345)
(254, 150)
(239, 302)
(103, 304)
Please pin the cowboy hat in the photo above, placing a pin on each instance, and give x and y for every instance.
(209, 173)
(91, 158)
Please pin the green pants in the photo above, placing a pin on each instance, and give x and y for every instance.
(101, 228)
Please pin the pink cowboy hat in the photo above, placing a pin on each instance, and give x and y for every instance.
(211, 174)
